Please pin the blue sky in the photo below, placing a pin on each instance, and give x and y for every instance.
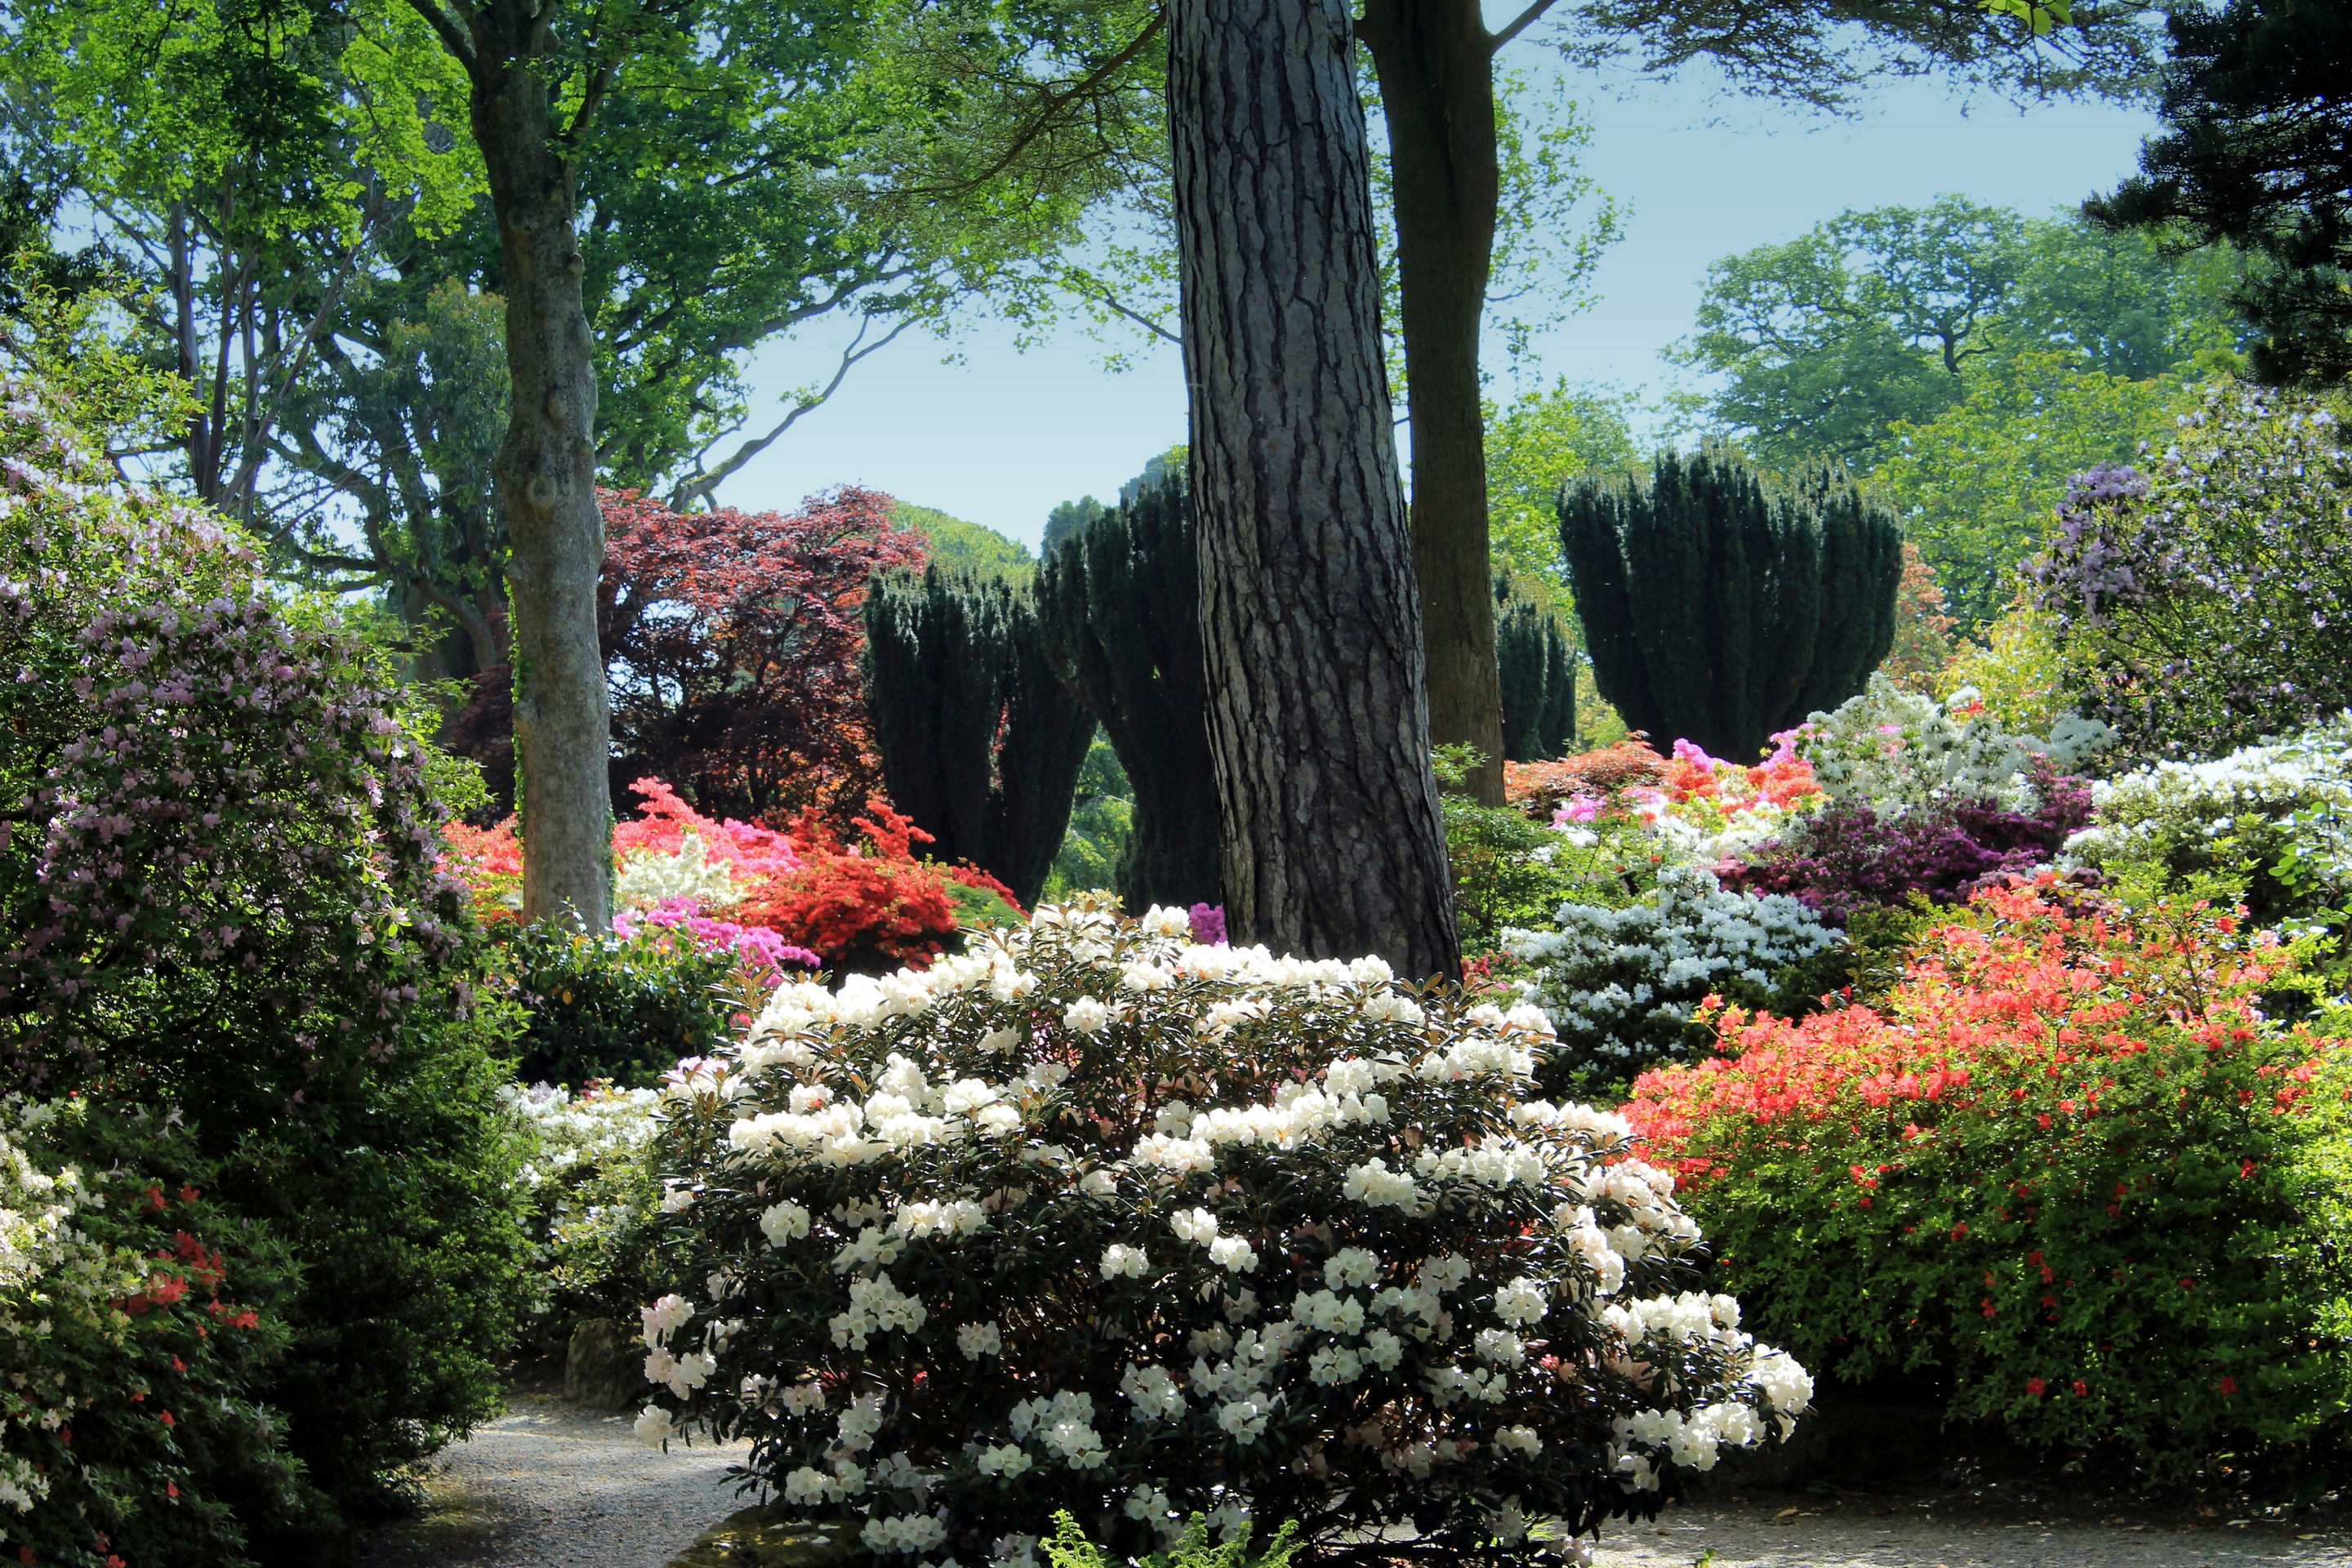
(1000, 436)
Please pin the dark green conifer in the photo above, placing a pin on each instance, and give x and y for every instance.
(1539, 671)
(1120, 603)
(1722, 606)
(981, 743)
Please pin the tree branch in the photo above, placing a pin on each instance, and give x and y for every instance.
(1054, 99)
(699, 487)
(452, 38)
(1520, 24)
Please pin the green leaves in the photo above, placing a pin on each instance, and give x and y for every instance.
(2038, 15)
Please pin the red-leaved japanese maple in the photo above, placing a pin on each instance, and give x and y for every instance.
(731, 641)
(731, 645)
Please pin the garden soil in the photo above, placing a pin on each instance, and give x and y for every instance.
(551, 1485)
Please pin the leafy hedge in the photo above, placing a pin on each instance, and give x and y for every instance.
(2069, 1171)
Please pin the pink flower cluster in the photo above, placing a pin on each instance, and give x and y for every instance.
(761, 952)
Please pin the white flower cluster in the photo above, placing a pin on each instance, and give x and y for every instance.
(1334, 1194)
(1897, 748)
(874, 1306)
(1620, 984)
(647, 876)
(2283, 800)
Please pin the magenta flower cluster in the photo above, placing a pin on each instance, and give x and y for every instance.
(761, 952)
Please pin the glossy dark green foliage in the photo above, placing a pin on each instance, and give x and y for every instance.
(2256, 151)
(1120, 605)
(1538, 670)
(980, 741)
(621, 1009)
(1720, 606)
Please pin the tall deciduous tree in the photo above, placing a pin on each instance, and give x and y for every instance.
(1317, 717)
(1434, 63)
(1886, 317)
(732, 641)
(659, 192)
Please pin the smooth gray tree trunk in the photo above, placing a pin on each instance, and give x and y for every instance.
(546, 469)
(1319, 725)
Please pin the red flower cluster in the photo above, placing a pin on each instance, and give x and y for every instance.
(2069, 1151)
(1537, 786)
(2026, 989)
(873, 902)
(876, 904)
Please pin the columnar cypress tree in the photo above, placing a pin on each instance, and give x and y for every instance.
(981, 744)
(1120, 605)
(1721, 606)
(1539, 676)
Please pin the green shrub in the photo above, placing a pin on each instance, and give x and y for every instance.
(614, 1008)
(1501, 862)
(220, 891)
(1068, 1547)
(1102, 824)
(2069, 1175)
(140, 1322)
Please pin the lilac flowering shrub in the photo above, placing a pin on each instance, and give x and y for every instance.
(1094, 1217)
(2208, 602)
(218, 892)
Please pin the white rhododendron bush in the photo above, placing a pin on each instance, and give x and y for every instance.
(1094, 1217)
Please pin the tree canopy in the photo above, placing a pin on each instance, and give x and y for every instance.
(1877, 318)
(2256, 152)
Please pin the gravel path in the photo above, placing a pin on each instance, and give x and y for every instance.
(1784, 1531)
(550, 1486)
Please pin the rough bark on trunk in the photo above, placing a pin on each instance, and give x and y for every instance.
(546, 470)
(1434, 59)
(1317, 723)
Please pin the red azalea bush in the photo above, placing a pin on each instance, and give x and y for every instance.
(870, 909)
(1537, 788)
(663, 821)
(799, 897)
(2069, 1174)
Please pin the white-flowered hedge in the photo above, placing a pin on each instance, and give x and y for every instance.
(1096, 1219)
(1621, 984)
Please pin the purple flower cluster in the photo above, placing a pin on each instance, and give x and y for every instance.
(2209, 602)
(1850, 854)
(219, 821)
(1209, 925)
(761, 951)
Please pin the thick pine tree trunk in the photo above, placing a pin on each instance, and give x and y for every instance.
(1317, 722)
(1434, 62)
(546, 469)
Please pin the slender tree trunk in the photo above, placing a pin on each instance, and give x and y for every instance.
(1317, 723)
(546, 470)
(1434, 59)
